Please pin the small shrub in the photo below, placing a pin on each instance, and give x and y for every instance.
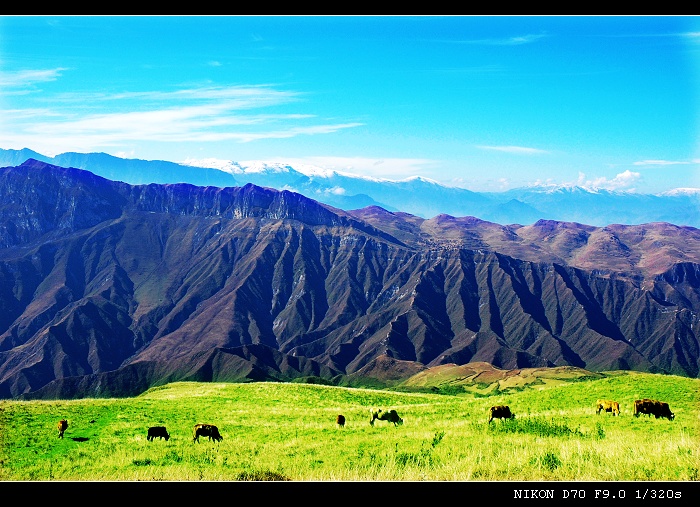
(174, 457)
(439, 435)
(421, 458)
(548, 461)
(450, 390)
(599, 432)
(261, 475)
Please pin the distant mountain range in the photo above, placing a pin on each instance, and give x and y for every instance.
(417, 196)
(109, 288)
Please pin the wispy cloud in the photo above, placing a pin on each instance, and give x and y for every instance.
(205, 114)
(28, 78)
(518, 150)
(291, 132)
(507, 41)
(662, 162)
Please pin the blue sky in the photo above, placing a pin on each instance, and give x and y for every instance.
(485, 103)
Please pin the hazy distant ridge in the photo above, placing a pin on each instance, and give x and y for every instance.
(418, 196)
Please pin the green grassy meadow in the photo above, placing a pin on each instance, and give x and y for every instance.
(287, 431)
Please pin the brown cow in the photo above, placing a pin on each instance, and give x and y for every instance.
(500, 412)
(607, 406)
(340, 421)
(390, 416)
(653, 407)
(206, 430)
(62, 426)
(642, 407)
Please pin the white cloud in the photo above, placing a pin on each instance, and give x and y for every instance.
(27, 78)
(291, 132)
(682, 191)
(508, 41)
(622, 181)
(661, 162)
(234, 97)
(206, 114)
(519, 150)
(327, 167)
(333, 190)
(214, 163)
(367, 167)
(125, 154)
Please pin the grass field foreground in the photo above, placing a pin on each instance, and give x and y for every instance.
(287, 431)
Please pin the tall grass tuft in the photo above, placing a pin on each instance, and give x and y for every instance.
(535, 426)
(548, 461)
(421, 458)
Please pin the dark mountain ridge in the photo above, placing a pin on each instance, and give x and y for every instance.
(107, 289)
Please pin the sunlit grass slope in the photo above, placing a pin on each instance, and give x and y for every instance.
(276, 431)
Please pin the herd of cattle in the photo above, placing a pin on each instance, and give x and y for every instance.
(200, 430)
(644, 406)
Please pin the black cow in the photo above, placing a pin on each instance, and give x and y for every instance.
(157, 432)
(340, 421)
(62, 427)
(206, 430)
(390, 416)
(661, 409)
(653, 407)
(500, 412)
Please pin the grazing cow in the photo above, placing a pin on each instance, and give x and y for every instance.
(661, 409)
(157, 432)
(607, 406)
(643, 407)
(206, 430)
(340, 421)
(500, 412)
(390, 416)
(62, 426)
(653, 407)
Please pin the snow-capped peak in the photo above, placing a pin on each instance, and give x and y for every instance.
(421, 179)
(309, 170)
(226, 166)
